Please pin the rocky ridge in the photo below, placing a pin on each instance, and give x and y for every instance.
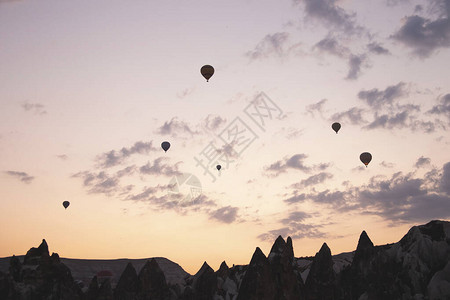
(416, 267)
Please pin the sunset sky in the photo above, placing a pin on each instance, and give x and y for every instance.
(89, 89)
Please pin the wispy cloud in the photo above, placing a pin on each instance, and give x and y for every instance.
(99, 182)
(377, 99)
(185, 92)
(296, 162)
(158, 167)
(353, 115)
(35, 108)
(377, 48)
(331, 15)
(175, 128)
(294, 225)
(443, 108)
(22, 176)
(62, 157)
(117, 157)
(424, 35)
(313, 180)
(226, 214)
(402, 197)
(314, 108)
(273, 45)
(213, 122)
(386, 164)
(422, 162)
(355, 62)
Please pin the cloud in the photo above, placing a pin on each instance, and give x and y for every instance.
(331, 45)
(376, 48)
(22, 176)
(272, 45)
(445, 180)
(331, 15)
(148, 193)
(396, 2)
(316, 107)
(160, 199)
(213, 122)
(294, 162)
(296, 198)
(226, 214)
(386, 164)
(184, 93)
(313, 180)
(354, 115)
(295, 227)
(35, 108)
(6, 1)
(400, 198)
(99, 182)
(422, 162)
(424, 36)
(355, 62)
(389, 121)
(62, 157)
(175, 128)
(443, 108)
(114, 158)
(290, 132)
(158, 167)
(376, 98)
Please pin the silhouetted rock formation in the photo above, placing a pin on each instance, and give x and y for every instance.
(15, 269)
(127, 287)
(258, 282)
(105, 291)
(320, 283)
(39, 277)
(93, 290)
(416, 267)
(152, 282)
(204, 283)
(288, 284)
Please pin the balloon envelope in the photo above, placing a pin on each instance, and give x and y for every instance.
(165, 146)
(336, 126)
(219, 167)
(365, 157)
(207, 71)
(66, 204)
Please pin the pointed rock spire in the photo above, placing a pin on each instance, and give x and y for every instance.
(152, 281)
(278, 247)
(321, 278)
(93, 289)
(205, 282)
(364, 241)
(128, 283)
(223, 270)
(43, 248)
(364, 251)
(258, 281)
(37, 255)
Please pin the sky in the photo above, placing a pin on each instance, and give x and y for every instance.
(90, 89)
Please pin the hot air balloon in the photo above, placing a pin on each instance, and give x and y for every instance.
(165, 146)
(365, 157)
(207, 71)
(66, 204)
(336, 126)
(218, 167)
